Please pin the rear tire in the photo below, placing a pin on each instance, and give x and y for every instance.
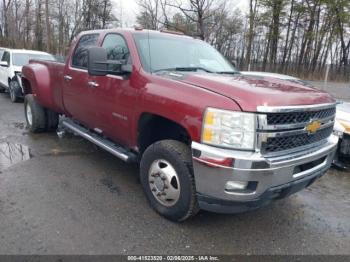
(167, 179)
(35, 115)
(52, 120)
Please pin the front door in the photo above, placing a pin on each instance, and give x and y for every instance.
(115, 94)
(79, 96)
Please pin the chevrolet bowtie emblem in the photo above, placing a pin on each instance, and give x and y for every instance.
(313, 127)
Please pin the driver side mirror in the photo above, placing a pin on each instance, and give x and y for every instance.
(4, 64)
(97, 61)
(98, 65)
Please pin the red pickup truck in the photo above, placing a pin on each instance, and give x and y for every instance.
(205, 136)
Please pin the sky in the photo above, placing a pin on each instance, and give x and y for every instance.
(128, 9)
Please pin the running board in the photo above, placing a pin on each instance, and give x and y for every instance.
(105, 144)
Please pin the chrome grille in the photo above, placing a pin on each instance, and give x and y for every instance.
(298, 117)
(284, 130)
(276, 144)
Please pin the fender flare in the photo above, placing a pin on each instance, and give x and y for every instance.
(38, 76)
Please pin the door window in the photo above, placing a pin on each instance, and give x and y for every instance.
(6, 57)
(117, 49)
(80, 56)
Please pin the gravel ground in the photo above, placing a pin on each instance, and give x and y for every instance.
(65, 196)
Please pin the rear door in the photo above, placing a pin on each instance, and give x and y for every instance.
(79, 98)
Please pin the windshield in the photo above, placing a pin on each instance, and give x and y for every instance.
(164, 52)
(21, 59)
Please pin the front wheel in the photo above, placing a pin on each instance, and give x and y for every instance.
(14, 89)
(167, 180)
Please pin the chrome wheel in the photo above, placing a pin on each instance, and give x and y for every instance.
(164, 182)
(29, 114)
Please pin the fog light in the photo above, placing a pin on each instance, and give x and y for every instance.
(236, 185)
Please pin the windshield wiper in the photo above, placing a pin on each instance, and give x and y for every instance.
(228, 73)
(185, 69)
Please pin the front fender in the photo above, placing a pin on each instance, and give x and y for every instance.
(182, 104)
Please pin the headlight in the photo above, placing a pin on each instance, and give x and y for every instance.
(229, 129)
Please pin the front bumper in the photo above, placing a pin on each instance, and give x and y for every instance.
(268, 178)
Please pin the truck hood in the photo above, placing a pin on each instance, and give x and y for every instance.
(253, 91)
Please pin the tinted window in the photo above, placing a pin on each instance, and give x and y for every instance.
(21, 59)
(1, 53)
(6, 57)
(116, 47)
(80, 57)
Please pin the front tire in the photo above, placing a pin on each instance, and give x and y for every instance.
(167, 179)
(14, 89)
(52, 120)
(35, 115)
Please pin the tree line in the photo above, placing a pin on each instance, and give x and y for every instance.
(50, 25)
(297, 37)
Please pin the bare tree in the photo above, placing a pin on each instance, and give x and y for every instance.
(48, 27)
(253, 7)
(5, 5)
(199, 12)
(38, 26)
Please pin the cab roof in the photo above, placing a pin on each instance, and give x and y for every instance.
(135, 31)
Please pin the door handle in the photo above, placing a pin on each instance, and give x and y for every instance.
(67, 78)
(93, 84)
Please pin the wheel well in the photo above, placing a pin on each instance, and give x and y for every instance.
(153, 128)
(27, 89)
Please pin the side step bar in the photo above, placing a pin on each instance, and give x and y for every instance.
(105, 144)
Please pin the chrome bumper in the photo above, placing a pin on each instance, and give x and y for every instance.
(214, 167)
